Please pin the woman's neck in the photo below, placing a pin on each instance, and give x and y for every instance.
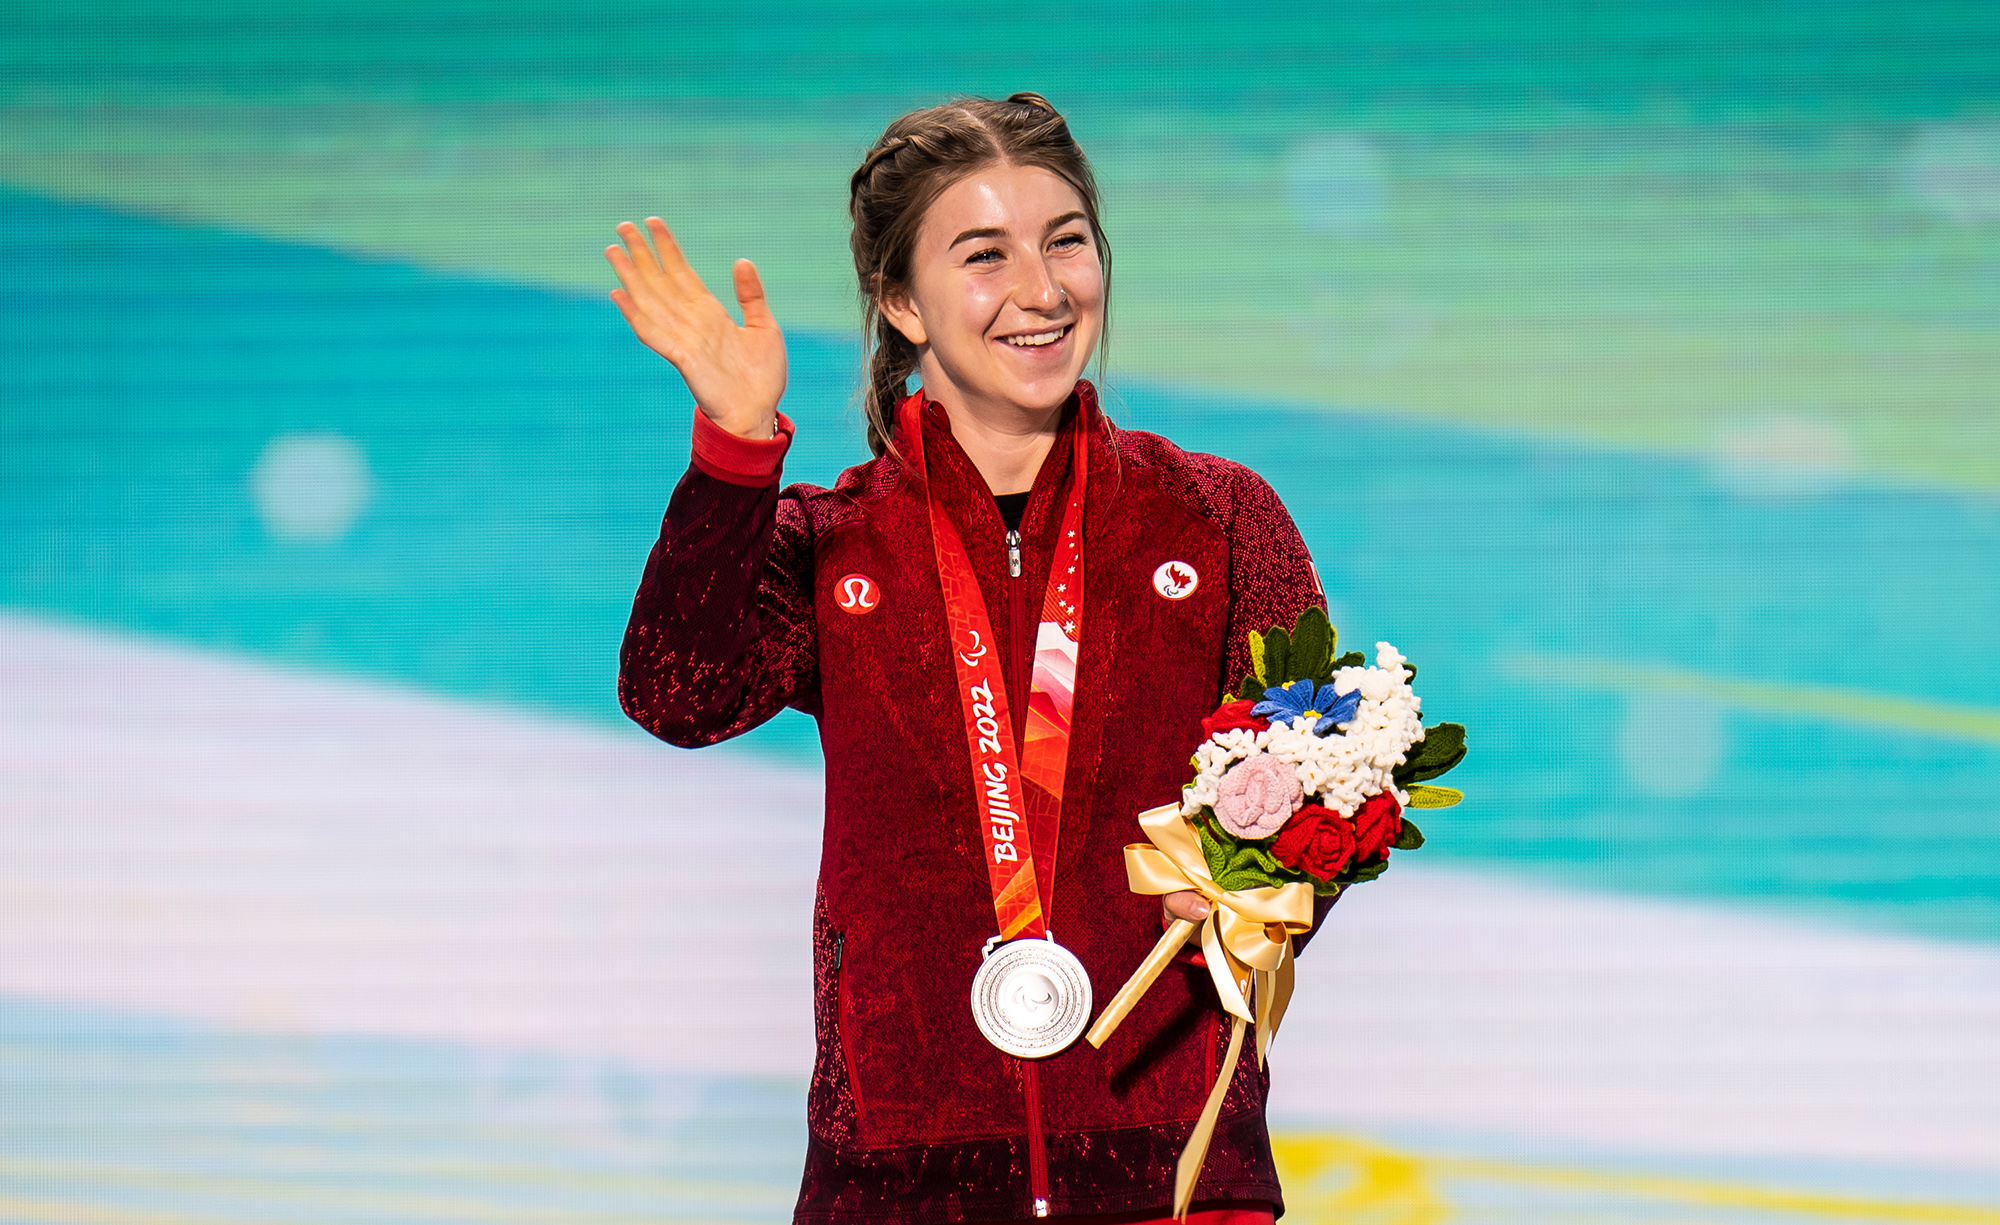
(1006, 448)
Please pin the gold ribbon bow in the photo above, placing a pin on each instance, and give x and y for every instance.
(1247, 941)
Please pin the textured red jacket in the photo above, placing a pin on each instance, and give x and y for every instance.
(913, 1116)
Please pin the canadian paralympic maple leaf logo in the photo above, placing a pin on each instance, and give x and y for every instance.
(1176, 580)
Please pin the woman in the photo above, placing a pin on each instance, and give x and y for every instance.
(873, 605)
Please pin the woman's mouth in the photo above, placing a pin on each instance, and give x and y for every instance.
(1038, 340)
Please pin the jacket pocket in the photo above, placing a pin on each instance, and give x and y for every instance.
(843, 1025)
(832, 1106)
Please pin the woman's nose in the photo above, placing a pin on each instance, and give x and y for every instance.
(1038, 290)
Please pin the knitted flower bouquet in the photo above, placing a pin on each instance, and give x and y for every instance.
(1308, 770)
(1299, 790)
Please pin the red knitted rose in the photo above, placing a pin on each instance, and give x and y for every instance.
(1376, 824)
(1233, 715)
(1316, 841)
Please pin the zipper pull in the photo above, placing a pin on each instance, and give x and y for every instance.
(1013, 554)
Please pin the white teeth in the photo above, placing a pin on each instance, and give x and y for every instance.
(1038, 339)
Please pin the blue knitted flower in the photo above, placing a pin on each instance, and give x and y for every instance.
(1288, 702)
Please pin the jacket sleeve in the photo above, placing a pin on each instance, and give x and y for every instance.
(722, 634)
(1271, 581)
(1271, 577)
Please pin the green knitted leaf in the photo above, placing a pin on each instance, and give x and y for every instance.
(1365, 872)
(1353, 659)
(1278, 658)
(1441, 748)
(1434, 797)
(1237, 864)
(1252, 690)
(1410, 837)
(1212, 851)
(1312, 645)
(1250, 865)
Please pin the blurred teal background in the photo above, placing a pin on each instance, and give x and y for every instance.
(1635, 369)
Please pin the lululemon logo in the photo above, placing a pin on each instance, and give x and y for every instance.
(1175, 580)
(857, 594)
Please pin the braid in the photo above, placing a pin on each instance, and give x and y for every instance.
(889, 371)
(876, 156)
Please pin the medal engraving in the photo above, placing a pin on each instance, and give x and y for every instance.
(1031, 998)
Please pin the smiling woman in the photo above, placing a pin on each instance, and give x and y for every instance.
(995, 569)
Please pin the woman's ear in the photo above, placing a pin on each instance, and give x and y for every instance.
(902, 315)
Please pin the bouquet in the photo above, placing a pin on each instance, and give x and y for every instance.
(1301, 788)
(1305, 777)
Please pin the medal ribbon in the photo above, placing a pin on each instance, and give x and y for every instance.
(1013, 791)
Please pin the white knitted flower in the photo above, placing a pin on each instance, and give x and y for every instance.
(1341, 771)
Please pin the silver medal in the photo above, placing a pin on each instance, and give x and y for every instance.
(1031, 998)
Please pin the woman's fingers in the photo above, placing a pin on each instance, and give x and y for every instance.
(639, 274)
(1187, 904)
(638, 252)
(750, 296)
(664, 273)
(671, 261)
(652, 294)
(623, 301)
(621, 263)
(659, 278)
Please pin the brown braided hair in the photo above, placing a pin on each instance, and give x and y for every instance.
(916, 159)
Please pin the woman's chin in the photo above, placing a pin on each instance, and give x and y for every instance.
(1041, 391)
(1046, 395)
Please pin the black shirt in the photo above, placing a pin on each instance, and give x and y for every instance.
(1012, 507)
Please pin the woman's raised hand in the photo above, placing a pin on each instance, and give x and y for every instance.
(736, 374)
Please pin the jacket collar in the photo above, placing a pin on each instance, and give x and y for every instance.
(959, 482)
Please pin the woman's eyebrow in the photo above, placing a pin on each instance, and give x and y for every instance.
(994, 231)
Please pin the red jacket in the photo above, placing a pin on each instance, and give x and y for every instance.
(913, 1116)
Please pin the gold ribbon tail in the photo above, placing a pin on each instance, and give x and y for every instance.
(1189, 1168)
(1155, 964)
(1274, 993)
(1264, 978)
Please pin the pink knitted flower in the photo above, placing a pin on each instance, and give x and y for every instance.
(1257, 797)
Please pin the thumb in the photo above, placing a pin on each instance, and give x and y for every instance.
(750, 296)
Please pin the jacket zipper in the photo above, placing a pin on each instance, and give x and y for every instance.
(1031, 1079)
(1019, 678)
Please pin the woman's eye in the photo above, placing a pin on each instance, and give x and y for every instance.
(1070, 241)
(984, 257)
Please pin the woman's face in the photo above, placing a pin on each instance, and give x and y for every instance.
(1006, 294)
